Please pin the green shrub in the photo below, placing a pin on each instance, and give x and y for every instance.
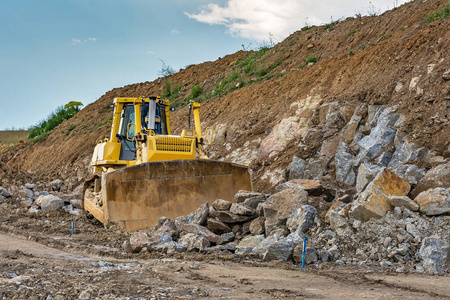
(196, 91)
(53, 120)
(311, 59)
(438, 15)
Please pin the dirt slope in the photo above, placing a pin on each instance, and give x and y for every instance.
(391, 59)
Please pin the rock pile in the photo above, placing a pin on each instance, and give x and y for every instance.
(379, 226)
(34, 201)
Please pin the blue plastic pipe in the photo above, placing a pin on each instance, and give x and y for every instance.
(303, 253)
(73, 227)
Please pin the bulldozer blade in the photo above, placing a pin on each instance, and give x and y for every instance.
(136, 197)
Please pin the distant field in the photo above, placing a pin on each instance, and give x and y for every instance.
(12, 136)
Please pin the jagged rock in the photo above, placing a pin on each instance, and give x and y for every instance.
(217, 226)
(296, 168)
(435, 254)
(26, 193)
(302, 218)
(261, 248)
(201, 214)
(437, 160)
(174, 247)
(435, 177)
(408, 152)
(166, 223)
(138, 240)
(344, 162)
(203, 231)
(50, 202)
(405, 201)
(228, 237)
(316, 168)
(194, 242)
(253, 202)
(30, 186)
(78, 191)
(366, 173)
(242, 210)
(257, 226)
(76, 203)
(310, 255)
(411, 173)
(373, 201)
(247, 244)
(338, 219)
(225, 247)
(221, 204)
(349, 131)
(281, 249)
(181, 220)
(279, 207)
(381, 135)
(228, 217)
(328, 149)
(434, 202)
(313, 187)
(242, 195)
(56, 185)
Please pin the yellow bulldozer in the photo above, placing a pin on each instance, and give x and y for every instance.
(142, 172)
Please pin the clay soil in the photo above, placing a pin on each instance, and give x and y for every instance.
(40, 258)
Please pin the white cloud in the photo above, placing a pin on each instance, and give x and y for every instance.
(150, 52)
(262, 20)
(174, 31)
(76, 41)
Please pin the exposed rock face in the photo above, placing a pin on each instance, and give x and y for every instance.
(5, 193)
(434, 201)
(373, 202)
(296, 168)
(436, 177)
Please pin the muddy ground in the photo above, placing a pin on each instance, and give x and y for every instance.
(40, 258)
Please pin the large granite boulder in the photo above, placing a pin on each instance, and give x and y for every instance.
(373, 201)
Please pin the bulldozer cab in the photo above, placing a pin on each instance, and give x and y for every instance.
(152, 117)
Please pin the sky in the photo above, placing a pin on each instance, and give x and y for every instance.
(56, 51)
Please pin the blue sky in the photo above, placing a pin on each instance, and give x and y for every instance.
(56, 51)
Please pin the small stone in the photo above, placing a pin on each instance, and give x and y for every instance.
(221, 204)
(242, 195)
(242, 210)
(228, 217)
(296, 168)
(257, 226)
(246, 245)
(217, 226)
(203, 231)
(56, 185)
(30, 186)
(302, 218)
(5, 193)
(436, 177)
(399, 201)
(253, 202)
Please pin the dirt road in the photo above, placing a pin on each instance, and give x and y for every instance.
(30, 270)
